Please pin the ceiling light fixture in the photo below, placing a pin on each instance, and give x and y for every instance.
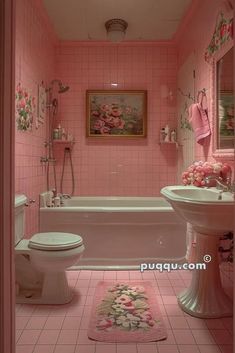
(116, 29)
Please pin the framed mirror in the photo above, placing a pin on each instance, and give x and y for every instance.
(223, 101)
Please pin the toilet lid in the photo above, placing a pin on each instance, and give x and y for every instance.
(55, 241)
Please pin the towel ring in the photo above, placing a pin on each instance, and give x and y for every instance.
(201, 96)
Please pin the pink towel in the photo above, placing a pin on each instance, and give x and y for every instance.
(198, 118)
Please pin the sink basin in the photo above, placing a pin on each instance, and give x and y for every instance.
(202, 207)
(211, 215)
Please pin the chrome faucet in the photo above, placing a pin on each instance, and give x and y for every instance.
(222, 185)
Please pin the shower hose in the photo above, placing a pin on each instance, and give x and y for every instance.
(67, 152)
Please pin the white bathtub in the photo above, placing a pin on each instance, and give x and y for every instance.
(120, 232)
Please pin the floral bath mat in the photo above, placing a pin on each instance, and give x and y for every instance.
(126, 312)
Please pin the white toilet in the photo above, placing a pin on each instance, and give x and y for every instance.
(41, 262)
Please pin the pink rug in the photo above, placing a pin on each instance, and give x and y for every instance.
(126, 312)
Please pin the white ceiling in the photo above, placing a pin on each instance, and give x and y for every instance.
(147, 19)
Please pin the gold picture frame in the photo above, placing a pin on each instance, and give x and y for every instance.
(119, 113)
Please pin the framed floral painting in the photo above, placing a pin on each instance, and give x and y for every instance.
(116, 113)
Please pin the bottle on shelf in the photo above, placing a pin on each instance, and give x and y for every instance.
(173, 136)
(167, 134)
(59, 132)
(162, 135)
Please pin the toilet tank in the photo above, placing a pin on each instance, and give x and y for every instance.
(20, 201)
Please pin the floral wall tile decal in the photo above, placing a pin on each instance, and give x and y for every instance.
(25, 108)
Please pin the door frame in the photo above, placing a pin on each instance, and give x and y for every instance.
(7, 129)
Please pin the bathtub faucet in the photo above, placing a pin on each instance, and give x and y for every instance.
(222, 185)
(66, 196)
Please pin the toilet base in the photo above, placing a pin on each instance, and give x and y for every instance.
(55, 290)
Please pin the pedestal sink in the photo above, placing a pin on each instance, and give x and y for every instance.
(211, 214)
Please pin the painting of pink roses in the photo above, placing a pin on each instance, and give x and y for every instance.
(116, 113)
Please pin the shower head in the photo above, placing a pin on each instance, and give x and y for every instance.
(62, 88)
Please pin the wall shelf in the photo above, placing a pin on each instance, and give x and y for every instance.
(170, 143)
(64, 143)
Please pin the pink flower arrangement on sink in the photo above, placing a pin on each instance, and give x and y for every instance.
(198, 171)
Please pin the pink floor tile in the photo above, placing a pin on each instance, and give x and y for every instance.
(226, 348)
(169, 299)
(135, 275)
(178, 290)
(85, 275)
(188, 348)
(85, 348)
(208, 348)
(48, 337)
(196, 323)
(21, 322)
(183, 337)
(54, 323)
(164, 283)
(72, 283)
(146, 348)
(81, 291)
(105, 348)
(43, 310)
(68, 337)
(166, 322)
(85, 323)
(214, 324)
(25, 348)
(91, 291)
(110, 275)
(59, 311)
(64, 348)
(166, 291)
(25, 310)
(177, 282)
(174, 275)
(29, 337)
(44, 348)
(127, 348)
(75, 311)
(83, 338)
(74, 274)
(87, 311)
(123, 275)
(89, 300)
(82, 283)
(173, 310)
(36, 322)
(203, 336)
(228, 323)
(148, 275)
(160, 275)
(71, 323)
(169, 348)
(222, 336)
(94, 282)
(170, 339)
(97, 275)
(178, 322)
(185, 274)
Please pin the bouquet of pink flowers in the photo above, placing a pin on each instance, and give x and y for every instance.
(198, 171)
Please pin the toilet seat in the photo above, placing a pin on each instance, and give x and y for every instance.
(55, 241)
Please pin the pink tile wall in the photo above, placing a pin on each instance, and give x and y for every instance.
(35, 53)
(200, 28)
(138, 167)
(195, 38)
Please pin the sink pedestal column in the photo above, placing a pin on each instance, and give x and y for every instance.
(205, 296)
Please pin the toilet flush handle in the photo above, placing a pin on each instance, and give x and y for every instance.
(29, 202)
